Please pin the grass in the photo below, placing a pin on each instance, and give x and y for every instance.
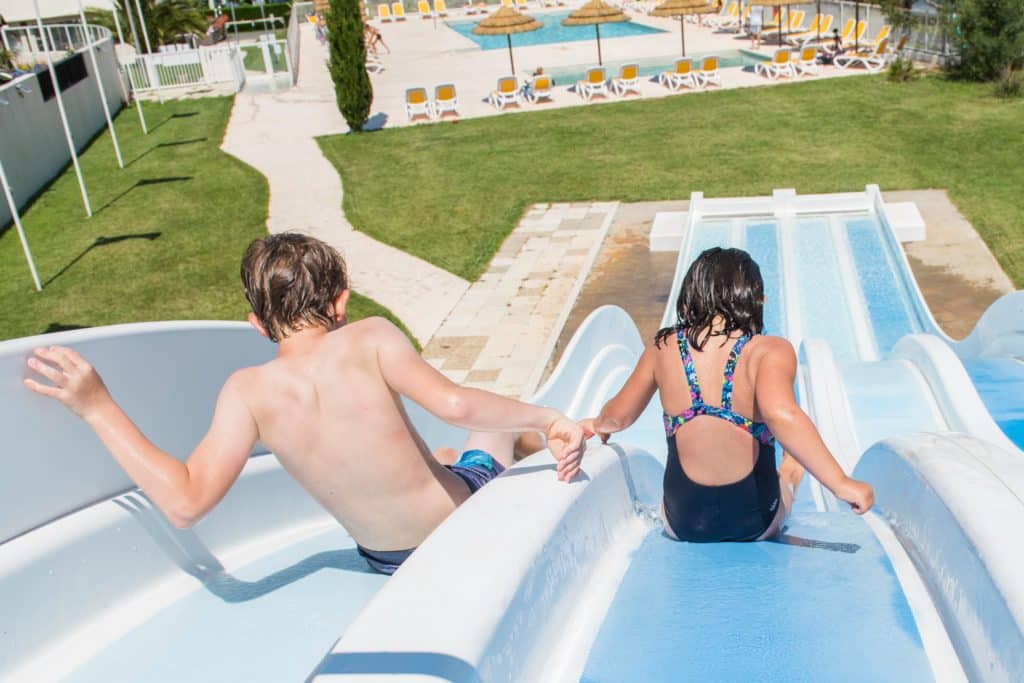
(252, 59)
(451, 193)
(165, 239)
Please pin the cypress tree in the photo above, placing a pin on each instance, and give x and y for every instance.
(352, 87)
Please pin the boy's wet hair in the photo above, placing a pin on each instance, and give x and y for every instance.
(722, 283)
(291, 281)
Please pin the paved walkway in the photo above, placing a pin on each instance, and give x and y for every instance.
(504, 329)
(274, 132)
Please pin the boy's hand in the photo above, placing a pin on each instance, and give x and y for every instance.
(589, 426)
(566, 441)
(858, 494)
(77, 384)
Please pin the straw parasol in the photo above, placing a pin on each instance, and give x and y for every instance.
(505, 22)
(595, 12)
(682, 8)
(780, 4)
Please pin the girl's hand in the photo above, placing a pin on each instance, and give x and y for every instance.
(589, 426)
(76, 384)
(566, 440)
(858, 494)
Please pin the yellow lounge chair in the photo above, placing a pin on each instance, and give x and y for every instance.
(521, 4)
(873, 60)
(796, 18)
(727, 18)
(708, 72)
(807, 62)
(682, 74)
(398, 11)
(440, 9)
(594, 83)
(628, 80)
(781, 64)
(383, 12)
(423, 7)
(811, 34)
(506, 93)
(445, 100)
(540, 88)
(417, 103)
(883, 33)
(506, 3)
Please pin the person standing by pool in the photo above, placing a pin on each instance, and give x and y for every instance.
(720, 479)
(754, 24)
(328, 406)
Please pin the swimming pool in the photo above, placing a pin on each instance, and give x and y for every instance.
(551, 32)
(652, 66)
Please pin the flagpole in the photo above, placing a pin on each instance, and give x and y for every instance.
(137, 45)
(60, 107)
(99, 84)
(21, 230)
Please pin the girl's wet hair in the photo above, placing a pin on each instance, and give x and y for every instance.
(722, 283)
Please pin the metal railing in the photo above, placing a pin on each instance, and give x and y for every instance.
(26, 42)
(175, 69)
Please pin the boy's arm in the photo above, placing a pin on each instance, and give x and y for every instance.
(773, 392)
(408, 374)
(625, 407)
(184, 492)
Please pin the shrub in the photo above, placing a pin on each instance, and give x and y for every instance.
(1010, 84)
(246, 12)
(352, 87)
(988, 35)
(902, 70)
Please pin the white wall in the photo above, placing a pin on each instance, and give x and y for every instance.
(33, 148)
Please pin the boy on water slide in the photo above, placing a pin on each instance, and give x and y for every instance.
(328, 406)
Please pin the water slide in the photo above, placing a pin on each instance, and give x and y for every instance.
(533, 579)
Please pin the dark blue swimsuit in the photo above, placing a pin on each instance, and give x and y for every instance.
(740, 511)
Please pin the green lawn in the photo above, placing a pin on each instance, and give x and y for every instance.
(166, 237)
(252, 59)
(450, 193)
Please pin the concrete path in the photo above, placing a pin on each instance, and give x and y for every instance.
(274, 132)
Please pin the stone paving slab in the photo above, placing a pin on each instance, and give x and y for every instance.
(501, 333)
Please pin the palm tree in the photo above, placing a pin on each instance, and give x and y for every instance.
(165, 20)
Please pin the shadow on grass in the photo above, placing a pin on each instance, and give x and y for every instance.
(179, 115)
(176, 143)
(145, 182)
(62, 327)
(100, 242)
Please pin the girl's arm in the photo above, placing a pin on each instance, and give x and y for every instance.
(773, 392)
(625, 407)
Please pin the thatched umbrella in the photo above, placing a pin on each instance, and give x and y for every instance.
(595, 12)
(505, 22)
(780, 4)
(682, 8)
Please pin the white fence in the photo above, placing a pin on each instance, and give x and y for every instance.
(180, 68)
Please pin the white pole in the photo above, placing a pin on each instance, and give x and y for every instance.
(63, 113)
(120, 39)
(117, 25)
(142, 25)
(99, 86)
(17, 224)
(154, 77)
(135, 37)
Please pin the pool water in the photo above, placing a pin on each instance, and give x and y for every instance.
(551, 32)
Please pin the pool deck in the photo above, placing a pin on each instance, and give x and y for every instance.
(427, 53)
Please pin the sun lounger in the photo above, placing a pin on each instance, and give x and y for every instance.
(445, 100)
(883, 33)
(540, 88)
(708, 72)
(874, 59)
(423, 7)
(781, 64)
(521, 4)
(807, 62)
(811, 34)
(506, 3)
(384, 12)
(796, 18)
(440, 9)
(398, 11)
(594, 83)
(682, 74)
(628, 80)
(506, 93)
(729, 18)
(417, 103)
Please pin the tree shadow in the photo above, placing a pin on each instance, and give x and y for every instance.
(99, 242)
(173, 143)
(145, 182)
(376, 122)
(190, 554)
